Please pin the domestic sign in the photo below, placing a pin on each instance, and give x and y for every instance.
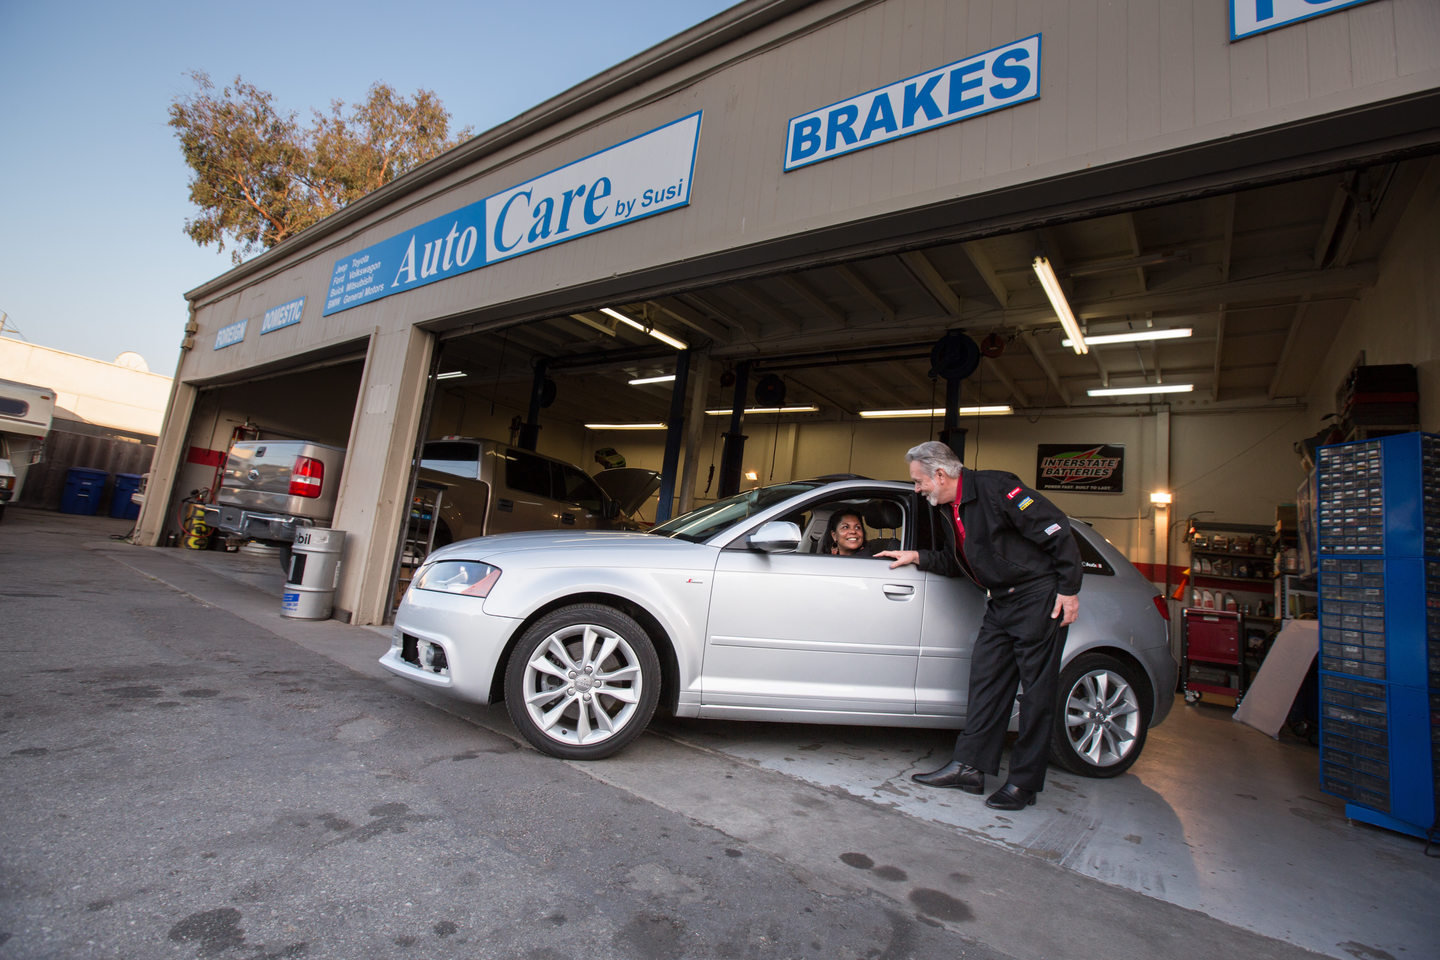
(282, 316)
(986, 82)
(1249, 17)
(643, 176)
(1097, 469)
(230, 334)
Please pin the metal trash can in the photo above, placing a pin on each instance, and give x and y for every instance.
(121, 506)
(309, 592)
(83, 489)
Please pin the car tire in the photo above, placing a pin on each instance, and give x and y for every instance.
(1101, 717)
(582, 682)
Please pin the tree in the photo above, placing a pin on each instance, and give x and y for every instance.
(258, 177)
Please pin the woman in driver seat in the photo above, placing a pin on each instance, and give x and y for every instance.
(845, 536)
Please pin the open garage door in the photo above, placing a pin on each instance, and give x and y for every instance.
(312, 401)
(1232, 300)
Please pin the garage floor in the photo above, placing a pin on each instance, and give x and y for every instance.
(1216, 816)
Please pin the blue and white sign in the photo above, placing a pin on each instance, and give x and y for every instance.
(282, 316)
(230, 334)
(989, 81)
(639, 178)
(1249, 17)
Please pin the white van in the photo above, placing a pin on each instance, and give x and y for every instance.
(25, 415)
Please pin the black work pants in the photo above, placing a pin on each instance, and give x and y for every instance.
(1018, 643)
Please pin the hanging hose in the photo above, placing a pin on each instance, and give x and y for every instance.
(194, 531)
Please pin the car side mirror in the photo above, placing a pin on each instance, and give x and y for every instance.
(776, 536)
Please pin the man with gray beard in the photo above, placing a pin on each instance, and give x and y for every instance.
(1017, 547)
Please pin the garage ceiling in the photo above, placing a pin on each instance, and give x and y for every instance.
(1264, 278)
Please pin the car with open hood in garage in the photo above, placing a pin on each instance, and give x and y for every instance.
(738, 611)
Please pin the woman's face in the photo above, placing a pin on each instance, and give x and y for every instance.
(849, 535)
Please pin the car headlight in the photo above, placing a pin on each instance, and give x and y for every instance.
(468, 577)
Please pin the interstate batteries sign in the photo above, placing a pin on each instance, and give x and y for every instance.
(1099, 469)
(986, 82)
(639, 178)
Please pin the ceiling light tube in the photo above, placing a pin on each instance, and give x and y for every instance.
(451, 375)
(799, 409)
(644, 380)
(624, 426)
(995, 410)
(1093, 339)
(1134, 391)
(1051, 283)
(662, 337)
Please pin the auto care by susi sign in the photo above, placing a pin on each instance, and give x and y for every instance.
(1097, 469)
(1249, 17)
(985, 82)
(639, 178)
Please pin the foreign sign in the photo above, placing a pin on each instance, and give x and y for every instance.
(282, 316)
(1064, 466)
(1249, 17)
(643, 176)
(230, 334)
(999, 78)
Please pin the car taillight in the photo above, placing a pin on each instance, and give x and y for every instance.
(307, 477)
(1162, 606)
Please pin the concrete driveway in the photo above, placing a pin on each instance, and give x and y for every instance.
(188, 774)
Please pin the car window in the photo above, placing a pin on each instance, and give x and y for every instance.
(704, 522)
(527, 473)
(813, 518)
(456, 459)
(1090, 559)
(575, 486)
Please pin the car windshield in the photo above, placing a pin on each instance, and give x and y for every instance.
(704, 522)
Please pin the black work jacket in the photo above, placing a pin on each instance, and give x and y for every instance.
(1012, 535)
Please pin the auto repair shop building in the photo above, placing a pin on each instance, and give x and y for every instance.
(805, 196)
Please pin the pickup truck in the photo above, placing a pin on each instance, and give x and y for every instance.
(476, 487)
(272, 487)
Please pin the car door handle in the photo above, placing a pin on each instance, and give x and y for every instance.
(899, 591)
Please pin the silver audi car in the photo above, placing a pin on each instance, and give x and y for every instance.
(739, 610)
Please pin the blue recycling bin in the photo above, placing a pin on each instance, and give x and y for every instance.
(120, 505)
(83, 489)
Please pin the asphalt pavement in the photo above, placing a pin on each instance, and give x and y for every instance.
(184, 773)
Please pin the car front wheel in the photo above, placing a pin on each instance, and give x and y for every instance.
(582, 682)
(1102, 716)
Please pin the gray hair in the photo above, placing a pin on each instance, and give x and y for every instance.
(935, 456)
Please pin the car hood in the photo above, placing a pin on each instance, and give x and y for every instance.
(629, 487)
(573, 547)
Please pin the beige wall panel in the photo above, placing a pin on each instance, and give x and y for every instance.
(1328, 52)
(1398, 319)
(1417, 25)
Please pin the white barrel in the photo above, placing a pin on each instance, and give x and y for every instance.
(309, 592)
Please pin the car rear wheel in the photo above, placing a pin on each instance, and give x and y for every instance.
(582, 682)
(1102, 716)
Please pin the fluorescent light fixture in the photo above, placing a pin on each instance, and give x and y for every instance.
(1178, 333)
(624, 426)
(1161, 497)
(662, 337)
(451, 375)
(996, 410)
(805, 409)
(1133, 391)
(1051, 283)
(644, 380)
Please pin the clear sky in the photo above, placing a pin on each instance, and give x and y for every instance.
(93, 190)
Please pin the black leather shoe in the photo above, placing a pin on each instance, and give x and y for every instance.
(1011, 797)
(962, 776)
